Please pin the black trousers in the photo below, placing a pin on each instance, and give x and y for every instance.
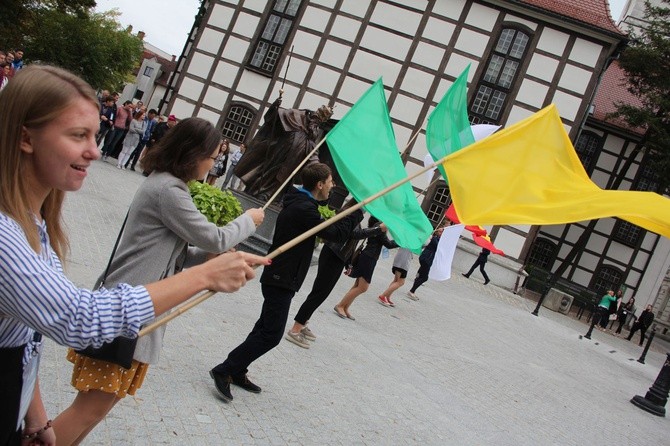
(421, 276)
(481, 269)
(638, 326)
(329, 272)
(11, 383)
(266, 334)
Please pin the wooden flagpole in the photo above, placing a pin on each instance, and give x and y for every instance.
(290, 177)
(288, 245)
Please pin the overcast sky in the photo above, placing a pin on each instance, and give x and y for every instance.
(168, 22)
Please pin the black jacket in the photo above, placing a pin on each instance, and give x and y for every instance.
(428, 253)
(345, 250)
(373, 247)
(300, 214)
(646, 318)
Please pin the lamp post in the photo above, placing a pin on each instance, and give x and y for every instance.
(545, 291)
(657, 396)
(646, 347)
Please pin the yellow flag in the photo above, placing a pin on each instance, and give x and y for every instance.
(530, 174)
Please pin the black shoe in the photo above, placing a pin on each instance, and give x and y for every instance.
(222, 384)
(487, 282)
(465, 275)
(243, 381)
(132, 168)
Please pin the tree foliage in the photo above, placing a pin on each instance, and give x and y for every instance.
(69, 34)
(646, 62)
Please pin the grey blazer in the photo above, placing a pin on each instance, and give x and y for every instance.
(162, 221)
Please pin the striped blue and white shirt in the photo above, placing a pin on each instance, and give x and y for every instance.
(35, 295)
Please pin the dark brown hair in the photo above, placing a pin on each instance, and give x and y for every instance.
(314, 173)
(182, 148)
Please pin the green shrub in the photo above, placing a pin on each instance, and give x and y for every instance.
(218, 206)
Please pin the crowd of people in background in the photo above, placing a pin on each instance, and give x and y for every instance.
(11, 61)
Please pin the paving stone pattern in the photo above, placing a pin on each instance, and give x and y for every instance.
(467, 364)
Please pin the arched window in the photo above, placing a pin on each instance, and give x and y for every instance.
(588, 147)
(606, 278)
(271, 41)
(237, 123)
(542, 254)
(439, 204)
(502, 70)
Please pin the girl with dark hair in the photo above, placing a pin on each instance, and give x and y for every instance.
(161, 223)
(364, 267)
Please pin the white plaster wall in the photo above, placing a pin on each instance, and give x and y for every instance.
(255, 5)
(235, 49)
(542, 67)
(398, 19)
(209, 115)
(575, 79)
(457, 64)
(621, 252)
(509, 242)
(305, 44)
(585, 52)
(182, 109)
(532, 93)
(568, 105)
(215, 97)
(314, 18)
(582, 277)
(482, 17)
(372, 67)
(421, 181)
(324, 80)
(313, 101)
(607, 161)
(655, 272)
(345, 28)
(210, 41)
(406, 109)
(402, 135)
(417, 82)
(588, 261)
(191, 88)
(200, 65)
(438, 30)
(246, 24)
(224, 73)
(428, 55)
(326, 3)
(600, 178)
(472, 42)
(385, 43)
(605, 225)
(352, 89)
(596, 243)
(449, 8)
(417, 4)
(552, 41)
(354, 7)
(251, 83)
(335, 54)
(296, 71)
(517, 114)
(221, 16)
(513, 18)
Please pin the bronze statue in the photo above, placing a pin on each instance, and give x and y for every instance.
(286, 137)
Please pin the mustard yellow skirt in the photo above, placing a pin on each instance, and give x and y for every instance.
(94, 374)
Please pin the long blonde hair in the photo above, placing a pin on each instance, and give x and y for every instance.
(34, 97)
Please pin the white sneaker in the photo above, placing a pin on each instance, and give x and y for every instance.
(307, 333)
(297, 338)
(412, 296)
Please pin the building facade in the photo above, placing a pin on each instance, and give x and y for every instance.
(523, 55)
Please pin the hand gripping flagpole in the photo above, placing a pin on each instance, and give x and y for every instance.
(288, 245)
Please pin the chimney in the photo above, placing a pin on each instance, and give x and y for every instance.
(140, 35)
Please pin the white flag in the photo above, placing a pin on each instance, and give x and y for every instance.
(441, 268)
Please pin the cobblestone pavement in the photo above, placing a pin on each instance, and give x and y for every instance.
(467, 364)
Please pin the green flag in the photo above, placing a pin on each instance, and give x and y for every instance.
(366, 156)
(448, 127)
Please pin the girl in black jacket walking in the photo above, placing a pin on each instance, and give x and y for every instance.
(365, 266)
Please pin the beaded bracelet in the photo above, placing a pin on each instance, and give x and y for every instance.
(38, 433)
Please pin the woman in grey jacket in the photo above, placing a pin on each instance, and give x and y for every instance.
(162, 222)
